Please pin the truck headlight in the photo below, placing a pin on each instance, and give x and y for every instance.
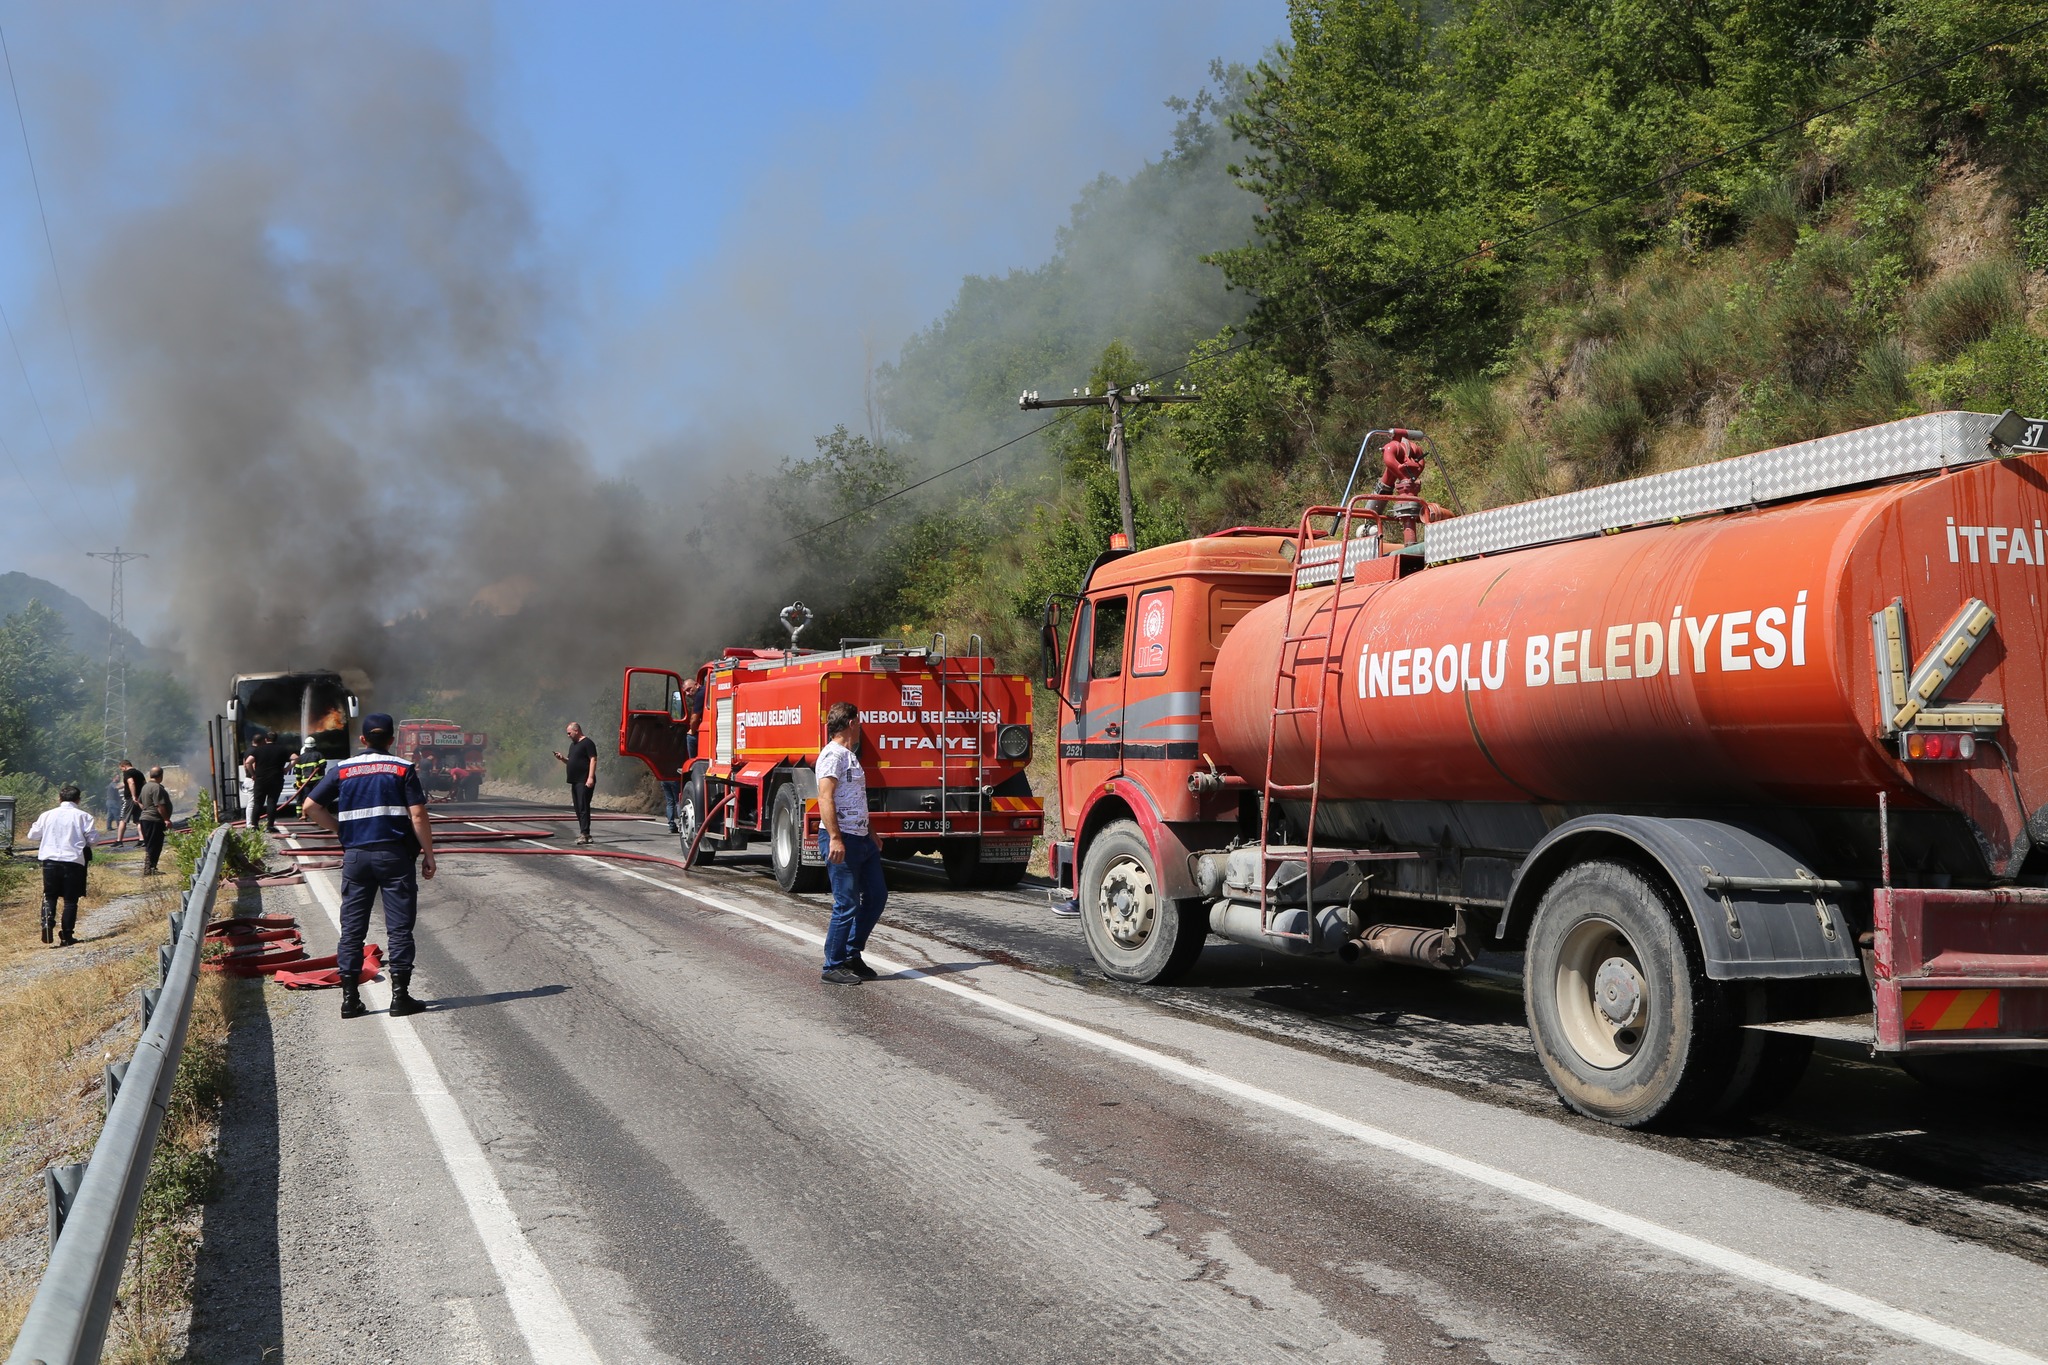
(1013, 742)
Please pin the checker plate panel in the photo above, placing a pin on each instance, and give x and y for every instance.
(1912, 445)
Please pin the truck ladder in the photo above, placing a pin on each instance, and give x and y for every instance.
(1294, 670)
(979, 651)
(940, 658)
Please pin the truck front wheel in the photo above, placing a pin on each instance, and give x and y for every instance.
(787, 845)
(1135, 933)
(690, 812)
(1621, 1010)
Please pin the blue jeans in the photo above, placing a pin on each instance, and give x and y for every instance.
(366, 870)
(672, 792)
(858, 895)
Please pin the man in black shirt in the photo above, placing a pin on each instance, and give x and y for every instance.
(581, 762)
(131, 789)
(271, 760)
(155, 803)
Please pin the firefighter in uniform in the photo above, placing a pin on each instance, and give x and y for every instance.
(375, 804)
(309, 768)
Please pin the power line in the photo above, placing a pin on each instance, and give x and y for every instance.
(55, 458)
(33, 496)
(950, 469)
(1488, 249)
(49, 243)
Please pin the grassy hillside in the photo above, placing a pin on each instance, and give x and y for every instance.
(1477, 219)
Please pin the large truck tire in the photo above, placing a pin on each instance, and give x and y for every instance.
(965, 867)
(1625, 1020)
(786, 845)
(1765, 1067)
(1000, 875)
(690, 812)
(963, 862)
(1136, 934)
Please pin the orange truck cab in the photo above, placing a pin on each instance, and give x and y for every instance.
(944, 745)
(1133, 661)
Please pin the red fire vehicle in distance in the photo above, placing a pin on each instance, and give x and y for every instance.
(944, 743)
(450, 758)
(1739, 756)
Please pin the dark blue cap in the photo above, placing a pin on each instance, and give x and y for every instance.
(377, 721)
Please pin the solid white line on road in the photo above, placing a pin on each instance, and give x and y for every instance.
(1906, 1324)
(551, 1331)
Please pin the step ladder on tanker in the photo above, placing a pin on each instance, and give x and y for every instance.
(1358, 528)
(939, 658)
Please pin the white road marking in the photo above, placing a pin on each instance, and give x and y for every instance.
(1906, 1324)
(551, 1331)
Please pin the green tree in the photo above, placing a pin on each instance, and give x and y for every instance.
(41, 691)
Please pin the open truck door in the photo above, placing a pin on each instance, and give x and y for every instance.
(654, 725)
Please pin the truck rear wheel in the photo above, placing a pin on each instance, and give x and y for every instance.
(1000, 875)
(786, 846)
(966, 867)
(1764, 1066)
(1135, 933)
(962, 858)
(1620, 1007)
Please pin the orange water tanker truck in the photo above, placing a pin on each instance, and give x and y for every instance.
(1736, 756)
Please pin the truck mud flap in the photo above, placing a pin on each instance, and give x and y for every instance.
(1759, 910)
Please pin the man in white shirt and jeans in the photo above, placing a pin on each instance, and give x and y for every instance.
(853, 860)
(63, 836)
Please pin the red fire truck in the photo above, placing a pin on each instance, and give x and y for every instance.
(450, 758)
(945, 741)
(1739, 755)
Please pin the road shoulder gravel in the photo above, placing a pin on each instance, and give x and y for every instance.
(337, 1236)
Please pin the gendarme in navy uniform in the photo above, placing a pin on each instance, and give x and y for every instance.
(375, 803)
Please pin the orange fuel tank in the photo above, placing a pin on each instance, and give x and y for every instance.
(1738, 659)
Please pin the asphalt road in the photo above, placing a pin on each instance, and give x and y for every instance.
(636, 1127)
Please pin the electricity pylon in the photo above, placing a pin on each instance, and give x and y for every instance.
(114, 723)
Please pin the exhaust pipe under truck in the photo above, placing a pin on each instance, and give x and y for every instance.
(1738, 755)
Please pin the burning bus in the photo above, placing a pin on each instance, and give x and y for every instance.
(292, 707)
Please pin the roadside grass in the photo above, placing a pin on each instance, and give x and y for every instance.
(113, 876)
(64, 1014)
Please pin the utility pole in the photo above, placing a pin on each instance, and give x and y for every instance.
(1114, 398)
(114, 723)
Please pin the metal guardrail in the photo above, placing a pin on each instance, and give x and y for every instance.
(93, 1208)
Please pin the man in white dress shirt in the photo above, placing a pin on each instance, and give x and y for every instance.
(63, 836)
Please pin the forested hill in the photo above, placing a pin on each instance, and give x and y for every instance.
(86, 628)
(1451, 216)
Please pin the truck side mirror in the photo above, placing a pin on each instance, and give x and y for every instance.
(353, 706)
(1049, 647)
(234, 707)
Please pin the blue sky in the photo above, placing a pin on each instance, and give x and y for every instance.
(732, 204)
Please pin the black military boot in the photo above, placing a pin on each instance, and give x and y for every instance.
(402, 1002)
(351, 999)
